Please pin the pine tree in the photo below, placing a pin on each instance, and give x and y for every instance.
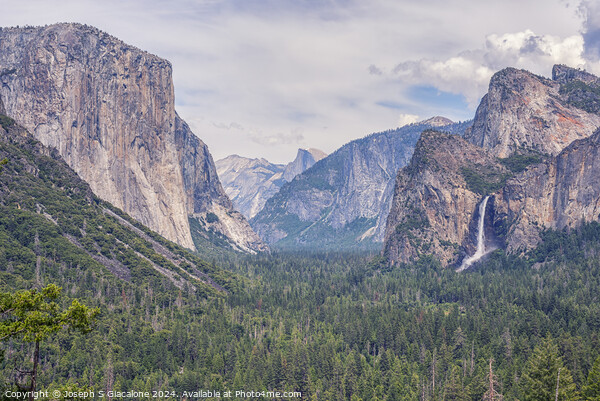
(33, 316)
(592, 387)
(545, 378)
(454, 389)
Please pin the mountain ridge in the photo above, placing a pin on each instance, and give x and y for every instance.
(343, 200)
(525, 111)
(251, 182)
(50, 217)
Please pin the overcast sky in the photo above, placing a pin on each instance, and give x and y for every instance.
(261, 78)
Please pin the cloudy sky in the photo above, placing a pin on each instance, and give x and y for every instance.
(261, 78)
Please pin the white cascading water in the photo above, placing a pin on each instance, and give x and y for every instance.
(480, 238)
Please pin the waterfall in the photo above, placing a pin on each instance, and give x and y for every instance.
(480, 238)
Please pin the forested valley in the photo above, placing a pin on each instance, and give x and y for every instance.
(339, 327)
(332, 326)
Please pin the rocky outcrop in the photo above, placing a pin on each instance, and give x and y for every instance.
(550, 178)
(251, 182)
(305, 159)
(436, 198)
(525, 111)
(561, 193)
(108, 108)
(564, 74)
(344, 199)
(206, 201)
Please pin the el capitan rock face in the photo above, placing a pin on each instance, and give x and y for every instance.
(525, 111)
(108, 108)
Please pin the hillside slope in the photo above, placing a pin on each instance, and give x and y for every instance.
(50, 219)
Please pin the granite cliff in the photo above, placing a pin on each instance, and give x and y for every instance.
(434, 208)
(532, 149)
(52, 223)
(251, 182)
(560, 193)
(108, 108)
(343, 200)
(525, 111)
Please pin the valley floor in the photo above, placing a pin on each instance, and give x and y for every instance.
(342, 327)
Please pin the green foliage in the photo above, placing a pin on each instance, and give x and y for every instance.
(47, 212)
(545, 377)
(208, 241)
(35, 315)
(415, 220)
(319, 236)
(336, 326)
(582, 95)
(591, 391)
(6, 122)
(211, 218)
(519, 161)
(566, 245)
(484, 180)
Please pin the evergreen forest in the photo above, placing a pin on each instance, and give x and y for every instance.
(148, 315)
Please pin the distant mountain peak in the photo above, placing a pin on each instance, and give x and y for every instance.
(342, 202)
(437, 121)
(305, 158)
(317, 154)
(251, 182)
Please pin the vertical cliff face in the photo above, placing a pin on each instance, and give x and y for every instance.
(206, 200)
(249, 182)
(562, 192)
(550, 179)
(524, 111)
(108, 108)
(436, 198)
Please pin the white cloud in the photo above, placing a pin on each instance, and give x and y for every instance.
(590, 13)
(319, 74)
(469, 73)
(405, 119)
